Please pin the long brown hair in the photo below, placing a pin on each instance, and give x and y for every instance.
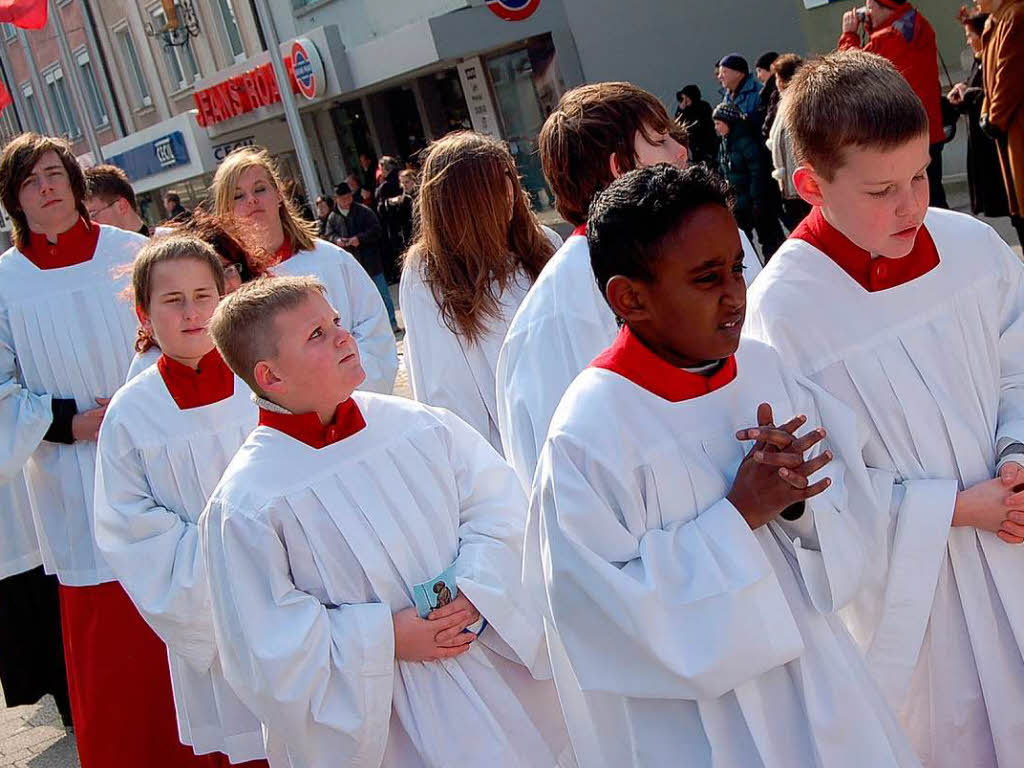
(19, 157)
(298, 232)
(466, 247)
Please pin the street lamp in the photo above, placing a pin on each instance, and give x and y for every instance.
(181, 24)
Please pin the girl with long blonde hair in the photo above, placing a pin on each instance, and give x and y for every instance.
(248, 186)
(477, 250)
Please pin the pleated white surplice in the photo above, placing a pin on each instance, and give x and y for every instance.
(64, 333)
(679, 636)
(563, 323)
(311, 551)
(157, 467)
(934, 369)
(447, 370)
(358, 303)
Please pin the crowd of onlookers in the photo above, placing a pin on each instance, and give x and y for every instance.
(744, 138)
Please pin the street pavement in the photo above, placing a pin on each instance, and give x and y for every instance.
(33, 737)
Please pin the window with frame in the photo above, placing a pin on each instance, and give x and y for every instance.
(10, 31)
(60, 102)
(182, 68)
(93, 97)
(229, 23)
(32, 116)
(131, 61)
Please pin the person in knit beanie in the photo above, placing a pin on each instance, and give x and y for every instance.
(741, 87)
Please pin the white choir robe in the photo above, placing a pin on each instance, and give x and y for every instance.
(677, 635)
(19, 547)
(935, 369)
(445, 369)
(66, 333)
(563, 323)
(142, 361)
(310, 552)
(358, 303)
(157, 466)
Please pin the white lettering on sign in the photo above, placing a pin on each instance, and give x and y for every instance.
(221, 151)
(165, 152)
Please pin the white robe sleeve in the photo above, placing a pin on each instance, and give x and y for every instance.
(24, 415)
(1010, 427)
(535, 368)
(438, 369)
(320, 677)
(689, 611)
(371, 329)
(153, 551)
(488, 568)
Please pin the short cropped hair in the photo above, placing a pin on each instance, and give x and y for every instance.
(108, 182)
(849, 99)
(590, 123)
(631, 219)
(243, 326)
(18, 159)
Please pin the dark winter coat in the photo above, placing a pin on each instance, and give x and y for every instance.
(700, 132)
(743, 163)
(361, 222)
(984, 174)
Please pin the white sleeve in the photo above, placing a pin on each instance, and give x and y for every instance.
(370, 328)
(320, 677)
(153, 551)
(689, 611)
(536, 365)
(438, 369)
(488, 568)
(1010, 426)
(24, 416)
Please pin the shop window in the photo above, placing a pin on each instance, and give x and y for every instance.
(60, 104)
(93, 98)
(527, 87)
(134, 68)
(453, 101)
(353, 133)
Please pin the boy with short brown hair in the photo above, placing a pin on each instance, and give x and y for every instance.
(330, 541)
(922, 339)
(598, 133)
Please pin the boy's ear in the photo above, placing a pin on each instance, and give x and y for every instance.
(615, 166)
(806, 182)
(625, 300)
(266, 377)
(144, 320)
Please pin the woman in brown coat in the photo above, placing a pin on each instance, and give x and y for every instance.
(1003, 110)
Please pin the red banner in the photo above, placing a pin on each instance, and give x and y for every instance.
(5, 97)
(27, 14)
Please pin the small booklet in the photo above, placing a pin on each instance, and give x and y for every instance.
(439, 592)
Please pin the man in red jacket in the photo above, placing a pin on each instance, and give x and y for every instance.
(901, 34)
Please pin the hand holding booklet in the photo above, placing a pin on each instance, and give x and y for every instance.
(437, 593)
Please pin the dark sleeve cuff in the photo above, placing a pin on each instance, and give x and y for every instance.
(64, 410)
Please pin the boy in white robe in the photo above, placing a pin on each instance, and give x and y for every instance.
(331, 514)
(167, 437)
(66, 337)
(913, 317)
(597, 133)
(689, 624)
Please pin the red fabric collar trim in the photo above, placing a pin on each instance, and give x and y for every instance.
(306, 427)
(893, 6)
(580, 230)
(210, 383)
(75, 246)
(872, 274)
(631, 359)
(285, 252)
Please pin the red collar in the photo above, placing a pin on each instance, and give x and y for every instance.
(285, 252)
(872, 274)
(210, 383)
(580, 230)
(306, 427)
(75, 246)
(628, 357)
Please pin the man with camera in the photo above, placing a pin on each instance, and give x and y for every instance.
(900, 33)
